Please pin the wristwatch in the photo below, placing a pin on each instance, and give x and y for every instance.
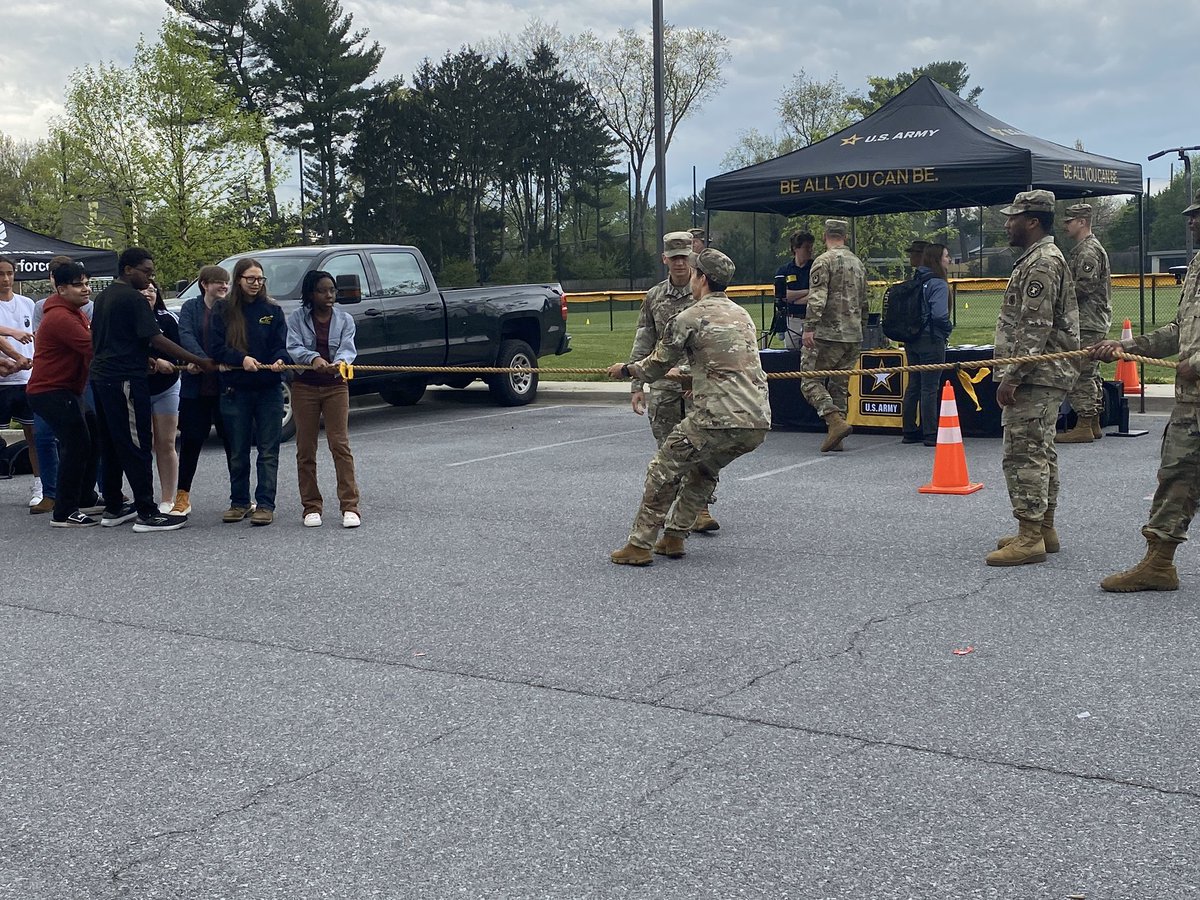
(625, 373)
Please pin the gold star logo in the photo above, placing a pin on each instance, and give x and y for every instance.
(851, 141)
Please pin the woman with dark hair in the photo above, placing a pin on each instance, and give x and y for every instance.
(250, 338)
(321, 335)
(164, 401)
(929, 347)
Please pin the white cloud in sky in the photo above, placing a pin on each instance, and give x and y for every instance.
(1117, 75)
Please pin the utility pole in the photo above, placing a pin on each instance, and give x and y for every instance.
(660, 156)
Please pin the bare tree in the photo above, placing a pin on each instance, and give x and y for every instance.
(809, 111)
(619, 74)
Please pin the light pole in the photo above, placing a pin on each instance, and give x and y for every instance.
(660, 156)
(1187, 173)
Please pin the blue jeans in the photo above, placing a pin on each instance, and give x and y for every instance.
(47, 454)
(255, 416)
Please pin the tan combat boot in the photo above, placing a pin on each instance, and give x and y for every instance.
(1097, 431)
(629, 555)
(1156, 571)
(670, 545)
(838, 430)
(1049, 535)
(1027, 548)
(705, 522)
(1080, 434)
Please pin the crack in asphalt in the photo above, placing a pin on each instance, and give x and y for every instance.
(676, 772)
(635, 701)
(852, 642)
(256, 798)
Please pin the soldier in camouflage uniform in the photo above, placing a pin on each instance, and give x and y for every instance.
(1088, 262)
(1178, 491)
(833, 329)
(1038, 315)
(667, 405)
(730, 415)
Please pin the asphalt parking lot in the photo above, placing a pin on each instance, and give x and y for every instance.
(464, 698)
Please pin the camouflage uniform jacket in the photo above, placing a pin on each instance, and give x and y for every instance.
(661, 304)
(1089, 269)
(837, 297)
(1181, 336)
(1038, 315)
(718, 338)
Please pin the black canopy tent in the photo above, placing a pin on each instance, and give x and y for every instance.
(926, 148)
(31, 253)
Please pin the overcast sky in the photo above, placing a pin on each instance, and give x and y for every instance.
(1119, 75)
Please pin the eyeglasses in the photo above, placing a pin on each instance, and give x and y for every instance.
(253, 279)
(148, 270)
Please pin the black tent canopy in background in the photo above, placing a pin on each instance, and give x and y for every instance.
(31, 253)
(926, 148)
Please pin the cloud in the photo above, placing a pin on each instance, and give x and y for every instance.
(1108, 72)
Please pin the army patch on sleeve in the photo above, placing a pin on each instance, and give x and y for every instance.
(818, 277)
(1034, 289)
(1089, 267)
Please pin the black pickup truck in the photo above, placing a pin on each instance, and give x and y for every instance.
(403, 319)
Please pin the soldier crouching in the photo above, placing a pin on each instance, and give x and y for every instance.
(730, 413)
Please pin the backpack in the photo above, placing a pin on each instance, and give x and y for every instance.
(905, 312)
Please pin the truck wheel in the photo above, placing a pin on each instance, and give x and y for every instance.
(515, 389)
(289, 421)
(404, 393)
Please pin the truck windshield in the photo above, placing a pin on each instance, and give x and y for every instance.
(283, 273)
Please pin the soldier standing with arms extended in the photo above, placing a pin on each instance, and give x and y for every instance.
(730, 415)
(833, 329)
(666, 405)
(1038, 315)
(1088, 262)
(1178, 491)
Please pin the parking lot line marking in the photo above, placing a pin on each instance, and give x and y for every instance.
(773, 472)
(512, 412)
(599, 437)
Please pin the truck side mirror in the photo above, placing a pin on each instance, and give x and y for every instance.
(180, 285)
(348, 289)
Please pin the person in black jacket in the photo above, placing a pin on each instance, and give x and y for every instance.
(921, 393)
(250, 340)
(164, 401)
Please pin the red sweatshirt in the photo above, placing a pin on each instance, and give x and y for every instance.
(62, 349)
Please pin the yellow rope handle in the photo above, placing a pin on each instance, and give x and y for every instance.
(348, 371)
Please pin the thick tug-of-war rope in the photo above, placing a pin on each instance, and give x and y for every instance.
(348, 371)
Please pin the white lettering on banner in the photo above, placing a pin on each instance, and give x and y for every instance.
(880, 408)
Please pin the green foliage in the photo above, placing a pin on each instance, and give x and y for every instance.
(951, 74)
(458, 273)
(316, 68)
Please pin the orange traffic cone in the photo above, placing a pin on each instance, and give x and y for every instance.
(949, 459)
(1127, 372)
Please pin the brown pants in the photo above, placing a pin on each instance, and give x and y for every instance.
(309, 404)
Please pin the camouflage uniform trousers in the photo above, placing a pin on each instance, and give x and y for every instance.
(683, 474)
(828, 355)
(1178, 476)
(1030, 460)
(665, 409)
(1087, 396)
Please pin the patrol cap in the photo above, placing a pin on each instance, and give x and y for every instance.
(837, 226)
(916, 247)
(1195, 207)
(1079, 211)
(714, 264)
(1030, 201)
(677, 243)
(698, 233)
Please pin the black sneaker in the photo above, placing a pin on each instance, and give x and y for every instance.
(159, 522)
(92, 506)
(110, 519)
(75, 520)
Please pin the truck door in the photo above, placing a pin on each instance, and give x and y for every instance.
(416, 317)
(370, 316)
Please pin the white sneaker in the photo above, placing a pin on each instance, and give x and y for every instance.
(166, 506)
(35, 492)
(350, 520)
(312, 520)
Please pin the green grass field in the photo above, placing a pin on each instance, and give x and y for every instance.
(602, 334)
